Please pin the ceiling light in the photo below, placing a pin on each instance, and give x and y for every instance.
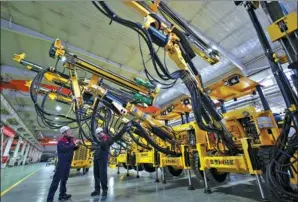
(158, 86)
(56, 118)
(214, 47)
(52, 142)
(58, 108)
(63, 58)
(55, 130)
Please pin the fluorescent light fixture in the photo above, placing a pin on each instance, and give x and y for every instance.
(214, 47)
(58, 108)
(63, 58)
(52, 142)
(56, 118)
(55, 130)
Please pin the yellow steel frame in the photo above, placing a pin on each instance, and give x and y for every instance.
(172, 48)
(291, 21)
(265, 138)
(82, 157)
(99, 71)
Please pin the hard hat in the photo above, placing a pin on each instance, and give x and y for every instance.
(98, 130)
(63, 129)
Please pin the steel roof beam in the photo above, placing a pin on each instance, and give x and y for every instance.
(10, 26)
(9, 108)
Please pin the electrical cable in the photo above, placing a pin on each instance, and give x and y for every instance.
(279, 169)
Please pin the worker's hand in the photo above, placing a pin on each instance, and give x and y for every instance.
(78, 142)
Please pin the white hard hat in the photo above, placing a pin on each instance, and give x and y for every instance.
(63, 129)
(98, 130)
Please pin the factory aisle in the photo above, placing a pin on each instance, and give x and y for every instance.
(12, 175)
(131, 189)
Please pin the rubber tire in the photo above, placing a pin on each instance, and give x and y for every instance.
(173, 171)
(85, 170)
(196, 166)
(264, 156)
(149, 168)
(214, 177)
(124, 166)
(141, 168)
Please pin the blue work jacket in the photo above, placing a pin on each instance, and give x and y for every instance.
(65, 148)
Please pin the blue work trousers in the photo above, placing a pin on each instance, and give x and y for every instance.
(60, 176)
(100, 174)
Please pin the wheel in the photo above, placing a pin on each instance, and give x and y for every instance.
(196, 166)
(264, 156)
(85, 170)
(174, 171)
(124, 166)
(148, 167)
(141, 168)
(214, 176)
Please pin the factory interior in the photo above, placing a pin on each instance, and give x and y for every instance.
(138, 101)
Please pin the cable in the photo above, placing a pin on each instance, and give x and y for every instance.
(197, 96)
(279, 169)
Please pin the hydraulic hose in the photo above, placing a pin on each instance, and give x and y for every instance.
(140, 131)
(137, 141)
(161, 133)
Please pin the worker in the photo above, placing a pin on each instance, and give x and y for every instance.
(65, 149)
(100, 162)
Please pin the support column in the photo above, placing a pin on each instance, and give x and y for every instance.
(35, 156)
(39, 157)
(22, 153)
(32, 155)
(16, 152)
(29, 154)
(26, 154)
(6, 152)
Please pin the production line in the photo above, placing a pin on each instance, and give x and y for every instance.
(193, 133)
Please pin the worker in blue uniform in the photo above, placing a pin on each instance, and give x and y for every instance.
(100, 162)
(65, 149)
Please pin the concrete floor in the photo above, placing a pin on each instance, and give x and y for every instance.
(130, 189)
(11, 175)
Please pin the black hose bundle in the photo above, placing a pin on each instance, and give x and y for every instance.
(282, 164)
(45, 117)
(200, 112)
(136, 140)
(160, 69)
(142, 133)
(199, 99)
